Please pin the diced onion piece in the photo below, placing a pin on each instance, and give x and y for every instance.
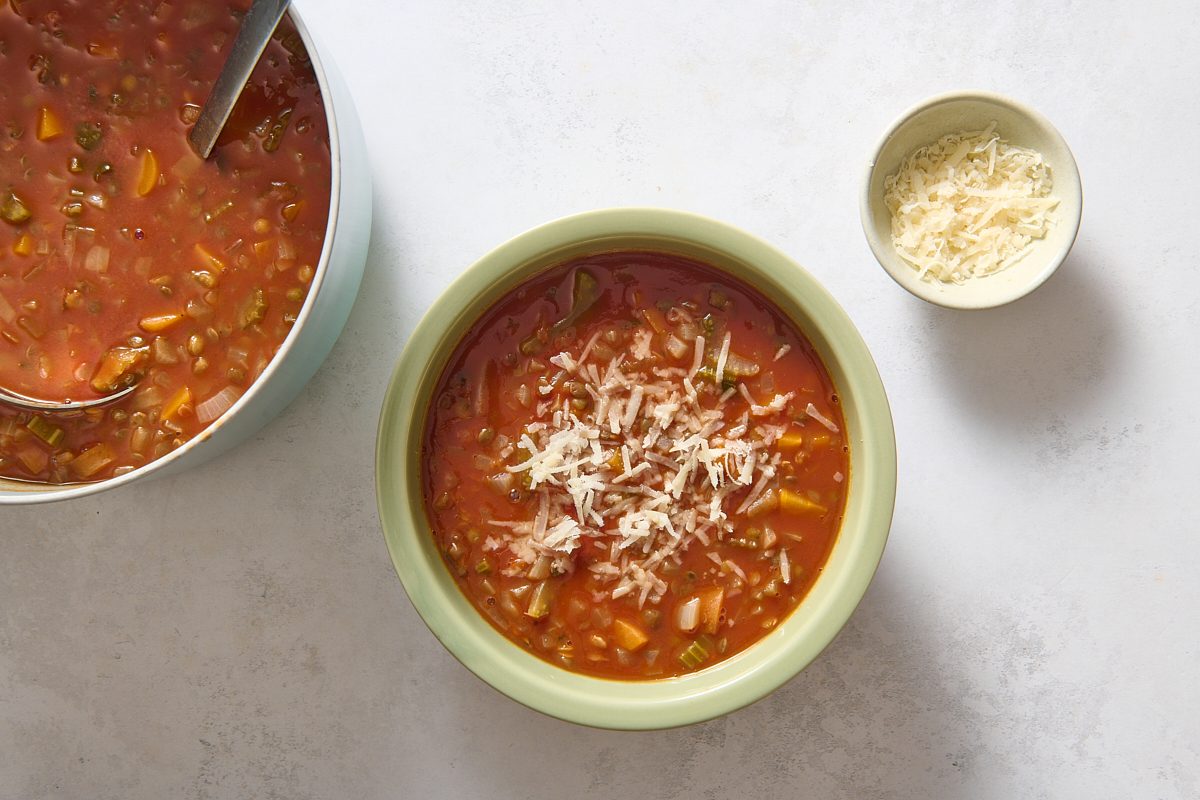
(96, 259)
(540, 569)
(539, 601)
(711, 601)
(769, 538)
(766, 502)
(217, 405)
(33, 458)
(687, 615)
(7, 313)
(92, 460)
(146, 398)
(677, 348)
(285, 251)
(70, 236)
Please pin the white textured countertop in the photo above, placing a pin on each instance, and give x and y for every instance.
(1033, 630)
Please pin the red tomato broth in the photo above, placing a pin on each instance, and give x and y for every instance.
(465, 439)
(133, 247)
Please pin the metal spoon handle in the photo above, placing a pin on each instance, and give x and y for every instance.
(11, 398)
(252, 39)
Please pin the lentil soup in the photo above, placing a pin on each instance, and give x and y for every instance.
(125, 258)
(634, 465)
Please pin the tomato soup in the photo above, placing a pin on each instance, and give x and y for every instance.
(125, 259)
(634, 465)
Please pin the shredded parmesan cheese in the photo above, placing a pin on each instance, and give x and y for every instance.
(646, 467)
(968, 205)
(812, 411)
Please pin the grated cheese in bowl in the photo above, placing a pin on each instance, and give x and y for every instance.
(969, 205)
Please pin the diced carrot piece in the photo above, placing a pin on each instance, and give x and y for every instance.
(792, 440)
(629, 635)
(23, 246)
(207, 259)
(92, 460)
(711, 601)
(264, 248)
(159, 322)
(102, 50)
(148, 174)
(176, 404)
(49, 125)
(655, 319)
(796, 503)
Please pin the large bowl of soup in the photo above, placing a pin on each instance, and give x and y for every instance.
(635, 468)
(214, 288)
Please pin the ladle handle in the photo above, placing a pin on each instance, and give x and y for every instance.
(252, 39)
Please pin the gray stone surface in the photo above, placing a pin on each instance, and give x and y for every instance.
(238, 631)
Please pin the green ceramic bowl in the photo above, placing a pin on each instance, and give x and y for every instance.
(729, 684)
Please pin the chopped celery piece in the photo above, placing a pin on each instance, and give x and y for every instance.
(14, 210)
(584, 294)
(696, 653)
(254, 308)
(483, 567)
(88, 135)
(48, 433)
(532, 345)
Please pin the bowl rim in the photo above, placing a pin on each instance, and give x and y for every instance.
(1066, 171)
(634, 705)
(38, 493)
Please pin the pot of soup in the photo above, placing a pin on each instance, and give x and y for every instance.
(214, 287)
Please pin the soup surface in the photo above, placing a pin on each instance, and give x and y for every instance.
(634, 465)
(124, 257)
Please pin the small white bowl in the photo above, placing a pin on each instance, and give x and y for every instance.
(1017, 124)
